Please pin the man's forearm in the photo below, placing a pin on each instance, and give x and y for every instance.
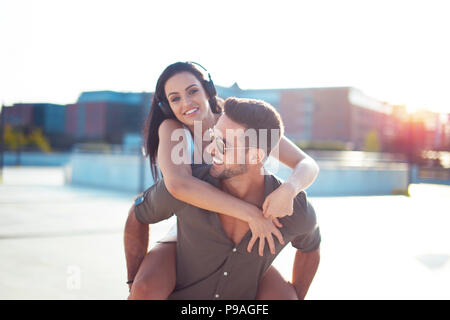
(305, 267)
(136, 237)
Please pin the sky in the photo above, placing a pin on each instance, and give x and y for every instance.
(394, 51)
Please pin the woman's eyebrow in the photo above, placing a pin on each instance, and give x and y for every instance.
(192, 85)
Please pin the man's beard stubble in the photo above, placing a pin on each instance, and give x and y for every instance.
(229, 172)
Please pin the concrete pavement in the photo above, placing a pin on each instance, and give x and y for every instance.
(61, 242)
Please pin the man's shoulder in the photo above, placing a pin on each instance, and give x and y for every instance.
(303, 215)
(300, 199)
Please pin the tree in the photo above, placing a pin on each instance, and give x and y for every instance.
(37, 139)
(16, 139)
(371, 143)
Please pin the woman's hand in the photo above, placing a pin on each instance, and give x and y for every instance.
(262, 229)
(280, 202)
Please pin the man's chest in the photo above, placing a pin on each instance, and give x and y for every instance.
(207, 228)
(234, 228)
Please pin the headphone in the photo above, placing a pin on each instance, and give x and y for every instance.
(207, 84)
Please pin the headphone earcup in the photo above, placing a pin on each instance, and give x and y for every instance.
(166, 109)
(212, 93)
(211, 89)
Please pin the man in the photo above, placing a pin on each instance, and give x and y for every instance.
(212, 256)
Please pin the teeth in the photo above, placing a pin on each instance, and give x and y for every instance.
(191, 111)
(217, 161)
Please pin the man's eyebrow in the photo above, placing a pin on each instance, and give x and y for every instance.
(192, 85)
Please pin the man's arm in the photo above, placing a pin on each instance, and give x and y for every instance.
(305, 267)
(136, 238)
(153, 205)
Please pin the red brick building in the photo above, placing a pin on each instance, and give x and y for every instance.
(340, 114)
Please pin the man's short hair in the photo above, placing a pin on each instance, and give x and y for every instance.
(256, 114)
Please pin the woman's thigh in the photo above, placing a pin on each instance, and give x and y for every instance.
(156, 277)
(273, 287)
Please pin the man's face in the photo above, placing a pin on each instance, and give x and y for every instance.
(229, 153)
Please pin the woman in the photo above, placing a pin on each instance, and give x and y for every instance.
(184, 99)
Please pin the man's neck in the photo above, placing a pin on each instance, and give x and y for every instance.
(248, 187)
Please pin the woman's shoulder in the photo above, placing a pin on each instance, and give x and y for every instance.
(171, 123)
(168, 126)
(173, 130)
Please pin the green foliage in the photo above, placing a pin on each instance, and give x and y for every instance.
(37, 139)
(322, 145)
(15, 139)
(400, 192)
(372, 143)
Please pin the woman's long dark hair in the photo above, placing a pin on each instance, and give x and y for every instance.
(156, 116)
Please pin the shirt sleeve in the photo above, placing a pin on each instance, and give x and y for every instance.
(309, 237)
(156, 204)
(308, 242)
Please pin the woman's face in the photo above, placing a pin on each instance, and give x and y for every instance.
(187, 98)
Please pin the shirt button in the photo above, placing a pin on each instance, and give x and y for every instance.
(217, 296)
(234, 249)
(225, 273)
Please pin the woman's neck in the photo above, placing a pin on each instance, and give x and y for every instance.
(200, 135)
(207, 123)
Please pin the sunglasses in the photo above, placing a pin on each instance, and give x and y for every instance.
(220, 144)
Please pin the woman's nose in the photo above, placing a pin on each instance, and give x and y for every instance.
(186, 100)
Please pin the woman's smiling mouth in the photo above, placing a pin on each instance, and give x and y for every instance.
(190, 111)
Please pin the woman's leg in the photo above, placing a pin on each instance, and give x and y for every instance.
(156, 277)
(273, 287)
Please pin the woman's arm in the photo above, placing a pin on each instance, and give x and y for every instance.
(183, 186)
(305, 170)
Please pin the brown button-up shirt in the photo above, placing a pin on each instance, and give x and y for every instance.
(209, 264)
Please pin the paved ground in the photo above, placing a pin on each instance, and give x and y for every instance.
(60, 242)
